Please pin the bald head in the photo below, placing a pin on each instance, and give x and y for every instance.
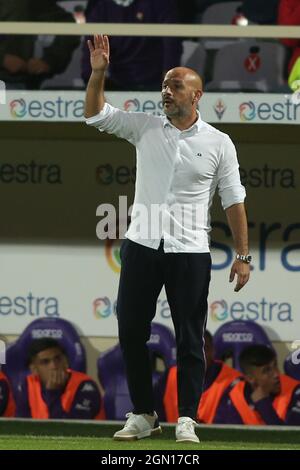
(186, 74)
(181, 92)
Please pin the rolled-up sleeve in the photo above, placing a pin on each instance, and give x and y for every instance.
(127, 125)
(230, 189)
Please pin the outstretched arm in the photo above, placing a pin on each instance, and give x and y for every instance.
(99, 56)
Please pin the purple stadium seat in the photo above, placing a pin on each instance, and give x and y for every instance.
(56, 328)
(111, 370)
(292, 366)
(232, 337)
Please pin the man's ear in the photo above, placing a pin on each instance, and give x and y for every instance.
(197, 96)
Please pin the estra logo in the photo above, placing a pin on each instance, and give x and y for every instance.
(132, 105)
(287, 110)
(263, 311)
(112, 254)
(103, 307)
(18, 108)
(146, 105)
(247, 111)
(219, 310)
(60, 108)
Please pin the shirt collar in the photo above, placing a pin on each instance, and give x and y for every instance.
(198, 124)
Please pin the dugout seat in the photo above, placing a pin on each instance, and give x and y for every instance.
(56, 328)
(111, 370)
(292, 365)
(234, 336)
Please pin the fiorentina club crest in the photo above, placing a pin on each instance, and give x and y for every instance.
(220, 108)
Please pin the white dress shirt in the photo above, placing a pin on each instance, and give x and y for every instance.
(178, 172)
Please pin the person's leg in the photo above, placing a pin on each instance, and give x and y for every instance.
(141, 281)
(187, 277)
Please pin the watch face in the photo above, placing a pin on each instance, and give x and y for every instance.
(244, 258)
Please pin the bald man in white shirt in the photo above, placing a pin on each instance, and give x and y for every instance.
(181, 160)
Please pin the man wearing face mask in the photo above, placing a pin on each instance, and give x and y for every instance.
(138, 63)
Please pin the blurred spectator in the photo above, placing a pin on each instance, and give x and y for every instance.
(53, 390)
(265, 396)
(7, 404)
(289, 15)
(217, 379)
(20, 65)
(137, 63)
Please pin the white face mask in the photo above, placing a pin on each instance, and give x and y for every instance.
(123, 3)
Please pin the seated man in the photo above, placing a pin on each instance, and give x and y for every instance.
(265, 396)
(53, 390)
(217, 379)
(7, 404)
(22, 64)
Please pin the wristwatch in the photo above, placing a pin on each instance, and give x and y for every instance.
(244, 258)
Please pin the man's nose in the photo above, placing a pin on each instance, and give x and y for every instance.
(167, 91)
(54, 364)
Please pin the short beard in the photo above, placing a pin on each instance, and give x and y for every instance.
(178, 112)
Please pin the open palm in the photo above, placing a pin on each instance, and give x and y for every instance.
(99, 52)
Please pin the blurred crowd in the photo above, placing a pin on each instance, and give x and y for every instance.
(137, 63)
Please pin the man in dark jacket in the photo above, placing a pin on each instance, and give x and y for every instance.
(20, 66)
(137, 63)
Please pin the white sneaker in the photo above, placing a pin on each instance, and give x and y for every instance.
(138, 426)
(185, 430)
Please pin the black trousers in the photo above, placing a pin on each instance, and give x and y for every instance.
(186, 277)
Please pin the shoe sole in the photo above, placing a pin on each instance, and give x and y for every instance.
(141, 435)
(188, 440)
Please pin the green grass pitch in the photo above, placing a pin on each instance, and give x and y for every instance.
(67, 435)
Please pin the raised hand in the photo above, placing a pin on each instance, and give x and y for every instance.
(99, 52)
